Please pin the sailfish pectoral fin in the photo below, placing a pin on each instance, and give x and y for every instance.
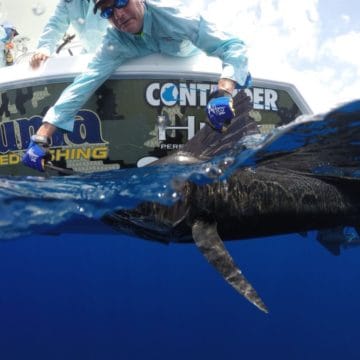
(212, 247)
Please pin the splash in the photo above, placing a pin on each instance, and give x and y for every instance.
(28, 203)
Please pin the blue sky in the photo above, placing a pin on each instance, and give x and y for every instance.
(310, 43)
(340, 16)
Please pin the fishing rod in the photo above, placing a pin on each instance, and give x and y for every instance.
(66, 40)
(50, 167)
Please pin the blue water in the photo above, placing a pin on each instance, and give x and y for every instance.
(88, 295)
(116, 297)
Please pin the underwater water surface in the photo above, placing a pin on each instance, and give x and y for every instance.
(70, 292)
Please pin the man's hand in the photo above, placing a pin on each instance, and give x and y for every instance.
(37, 154)
(220, 110)
(37, 59)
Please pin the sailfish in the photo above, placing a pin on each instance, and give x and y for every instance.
(303, 176)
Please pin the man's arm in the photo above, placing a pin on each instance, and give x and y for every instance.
(62, 114)
(231, 50)
(54, 30)
(46, 129)
(101, 66)
(181, 22)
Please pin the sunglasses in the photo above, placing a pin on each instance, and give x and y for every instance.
(108, 12)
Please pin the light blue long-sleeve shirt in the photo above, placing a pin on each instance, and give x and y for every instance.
(168, 30)
(79, 13)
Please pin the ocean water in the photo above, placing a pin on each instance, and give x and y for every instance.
(117, 297)
(91, 293)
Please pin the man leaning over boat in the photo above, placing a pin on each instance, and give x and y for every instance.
(139, 28)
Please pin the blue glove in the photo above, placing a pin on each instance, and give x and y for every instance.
(37, 154)
(220, 110)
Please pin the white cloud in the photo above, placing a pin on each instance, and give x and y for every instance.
(344, 48)
(286, 44)
(345, 18)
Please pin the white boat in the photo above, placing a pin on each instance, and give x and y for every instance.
(148, 108)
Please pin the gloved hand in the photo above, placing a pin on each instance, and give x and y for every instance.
(220, 110)
(37, 154)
